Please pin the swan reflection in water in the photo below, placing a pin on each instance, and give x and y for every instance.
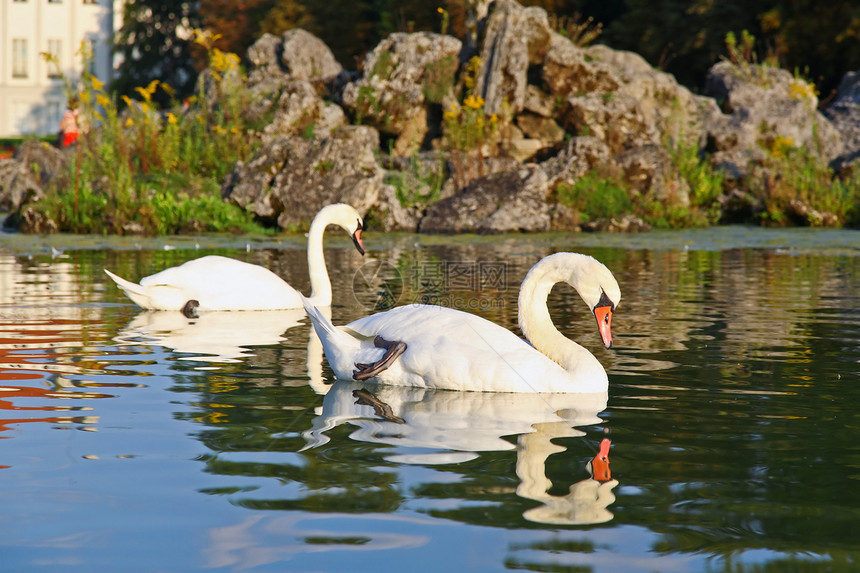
(224, 336)
(456, 426)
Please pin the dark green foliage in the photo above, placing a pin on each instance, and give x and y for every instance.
(152, 49)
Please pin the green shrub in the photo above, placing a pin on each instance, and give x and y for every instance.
(796, 187)
(419, 184)
(596, 196)
(151, 171)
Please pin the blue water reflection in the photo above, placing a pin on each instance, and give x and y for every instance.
(141, 441)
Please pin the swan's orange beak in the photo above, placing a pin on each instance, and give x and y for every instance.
(600, 462)
(356, 240)
(603, 314)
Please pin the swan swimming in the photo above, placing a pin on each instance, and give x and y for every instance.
(221, 283)
(436, 347)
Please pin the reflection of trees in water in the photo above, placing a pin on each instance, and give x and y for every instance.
(763, 465)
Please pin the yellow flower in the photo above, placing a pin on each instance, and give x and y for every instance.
(103, 100)
(97, 83)
(474, 102)
(127, 100)
(129, 122)
(801, 90)
(440, 10)
(171, 118)
(205, 38)
(781, 145)
(494, 118)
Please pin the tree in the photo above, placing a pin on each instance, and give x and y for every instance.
(239, 24)
(155, 44)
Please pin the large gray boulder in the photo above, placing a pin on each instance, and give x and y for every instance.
(515, 38)
(762, 109)
(24, 177)
(295, 55)
(498, 203)
(292, 178)
(844, 114)
(300, 111)
(678, 115)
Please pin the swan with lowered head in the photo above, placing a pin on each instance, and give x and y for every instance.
(221, 283)
(436, 347)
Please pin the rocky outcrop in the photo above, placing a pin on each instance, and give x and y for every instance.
(402, 76)
(515, 38)
(290, 75)
(844, 114)
(292, 178)
(295, 55)
(498, 203)
(301, 111)
(649, 172)
(763, 109)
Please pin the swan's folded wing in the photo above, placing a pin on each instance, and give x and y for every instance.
(451, 349)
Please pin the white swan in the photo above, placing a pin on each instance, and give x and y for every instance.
(436, 347)
(222, 283)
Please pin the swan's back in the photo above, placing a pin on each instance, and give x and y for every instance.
(455, 350)
(222, 283)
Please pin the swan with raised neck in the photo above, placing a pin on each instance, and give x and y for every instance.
(222, 283)
(436, 347)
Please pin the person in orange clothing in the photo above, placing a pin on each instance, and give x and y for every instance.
(69, 130)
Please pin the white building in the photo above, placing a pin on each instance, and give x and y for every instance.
(32, 100)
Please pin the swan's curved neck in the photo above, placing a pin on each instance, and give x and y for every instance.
(320, 283)
(536, 323)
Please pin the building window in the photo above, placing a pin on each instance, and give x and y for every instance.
(55, 1)
(55, 48)
(90, 1)
(19, 58)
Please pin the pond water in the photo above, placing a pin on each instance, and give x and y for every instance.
(150, 442)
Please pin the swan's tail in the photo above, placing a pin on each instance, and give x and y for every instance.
(324, 327)
(340, 348)
(135, 292)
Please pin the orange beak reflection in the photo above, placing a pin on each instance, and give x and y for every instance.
(600, 462)
(603, 314)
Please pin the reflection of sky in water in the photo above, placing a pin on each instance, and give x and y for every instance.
(727, 417)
